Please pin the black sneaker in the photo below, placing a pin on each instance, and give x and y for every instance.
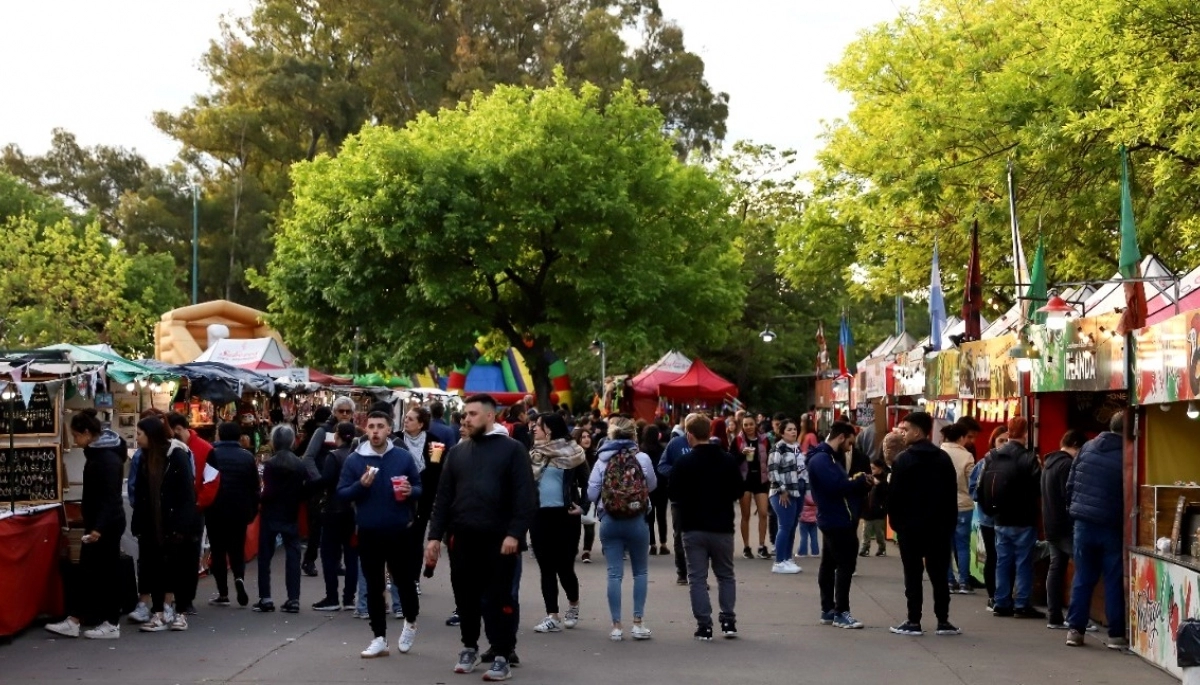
(263, 607)
(309, 569)
(453, 620)
(514, 660)
(327, 605)
(746, 553)
(947, 628)
(1028, 612)
(653, 551)
(681, 580)
(703, 633)
(953, 588)
(1002, 612)
(864, 553)
(881, 553)
(729, 629)
(908, 628)
(763, 553)
(292, 606)
(219, 601)
(242, 597)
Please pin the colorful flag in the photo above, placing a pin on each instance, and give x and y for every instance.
(822, 350)
(1020, 268)
(937, 304)
(1134, 316)
(845, 342)
(1037, 295)
(973, 293)
(901, 326)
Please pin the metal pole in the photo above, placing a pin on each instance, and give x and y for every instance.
(195, 242)
(603, 365)
(12, 448)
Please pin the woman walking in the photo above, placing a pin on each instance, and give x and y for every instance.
(786, 469)
(752, 450)
(103, 523)
(561, 472)
(614, 483)
(583, 437)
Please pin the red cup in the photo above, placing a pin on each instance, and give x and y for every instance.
(396, 481)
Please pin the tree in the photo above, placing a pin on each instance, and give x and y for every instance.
(543, 215)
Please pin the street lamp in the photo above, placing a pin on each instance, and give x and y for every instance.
(599, 348)
(1192, 410)
(767, 334)
(1057, 311)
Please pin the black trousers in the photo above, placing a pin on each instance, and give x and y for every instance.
(313, 512)
(658, 513)
(922, 554)
(555, 538)
(989, 563)
(681, 570)
(335, 545)
(99, 566)
(227, 544)
(839, 559)
(392, 549)
(482, 579)
(185, 596)
(165, 567)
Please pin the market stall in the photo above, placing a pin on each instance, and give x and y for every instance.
(697, 390)
(646, 402)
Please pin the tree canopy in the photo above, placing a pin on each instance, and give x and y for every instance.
(552, 216)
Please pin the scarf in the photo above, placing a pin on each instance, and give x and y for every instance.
(416, 447)
(560, 454)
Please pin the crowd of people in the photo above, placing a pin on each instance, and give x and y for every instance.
(383, 505)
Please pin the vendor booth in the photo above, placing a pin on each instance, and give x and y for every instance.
(645, 385)
(697, 390)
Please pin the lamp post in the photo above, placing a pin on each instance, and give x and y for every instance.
(195, 243)
(599, 348)
(1057, 311)
(767, 334)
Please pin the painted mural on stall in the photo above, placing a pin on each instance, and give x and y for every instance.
(1163, 596)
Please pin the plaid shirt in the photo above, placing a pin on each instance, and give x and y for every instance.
(786, 467)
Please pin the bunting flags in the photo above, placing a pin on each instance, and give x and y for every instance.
(1134, 316)
(845, 342)
(1037, 295)
(973, 293)
(26, 390)
(822, 350)
(937, 304)
(901, 326)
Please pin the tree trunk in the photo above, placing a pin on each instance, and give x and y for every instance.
(539, 370)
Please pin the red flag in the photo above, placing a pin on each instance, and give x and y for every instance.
(1134, 316)
(973, 293)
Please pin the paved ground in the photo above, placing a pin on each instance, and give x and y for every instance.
(781, 641)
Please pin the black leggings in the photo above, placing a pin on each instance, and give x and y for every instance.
(555, 538)
(99, 565)
(989, 564)
(164, 567)
(658, 511)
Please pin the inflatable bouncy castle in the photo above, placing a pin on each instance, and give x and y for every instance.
(508, 380)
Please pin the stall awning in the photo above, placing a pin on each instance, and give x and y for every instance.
(699, 383)
(217, 382)
(120, 369)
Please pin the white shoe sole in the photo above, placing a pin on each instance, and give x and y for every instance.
(375, 656)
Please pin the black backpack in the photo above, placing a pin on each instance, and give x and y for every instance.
(995, 491)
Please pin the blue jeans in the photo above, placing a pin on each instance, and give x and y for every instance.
(618, 536)
(808, 533)
(961, 545)
(785, 539)
(1098, 551)
(361, 605)
(1014, 558)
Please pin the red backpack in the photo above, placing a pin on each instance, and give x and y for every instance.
(624, 491)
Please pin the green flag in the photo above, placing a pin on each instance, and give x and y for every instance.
(1130, 256)
(1036, 296)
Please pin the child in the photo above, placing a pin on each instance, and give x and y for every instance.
(875, 515)
(808, 526)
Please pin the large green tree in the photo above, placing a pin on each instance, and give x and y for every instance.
(549, 216)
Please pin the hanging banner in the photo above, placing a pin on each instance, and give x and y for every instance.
(909, 373)
(986, 371)
(941, 375)
(1163, 595)
(1088, 356)
(872, 378)
(1167, 361)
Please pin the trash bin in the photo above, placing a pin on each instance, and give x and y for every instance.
(1187, 650)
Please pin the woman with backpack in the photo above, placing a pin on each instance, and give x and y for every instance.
(987, 526)
(620, 484)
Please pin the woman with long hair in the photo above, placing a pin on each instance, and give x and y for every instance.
(652, 446)
(751, 450)
(786, 468)
(165, 522)
(583, 437)
(720, 433)
(808, 434)
(560, 471)
(103, 523)
(987, 525)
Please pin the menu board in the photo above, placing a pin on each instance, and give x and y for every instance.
(38, 418)
(30, 474)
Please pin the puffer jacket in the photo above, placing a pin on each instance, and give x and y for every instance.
(1095, 490)
(102, 507)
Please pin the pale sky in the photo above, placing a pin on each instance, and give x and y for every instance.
(99, 68)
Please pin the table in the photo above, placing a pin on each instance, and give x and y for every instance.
(30, 584)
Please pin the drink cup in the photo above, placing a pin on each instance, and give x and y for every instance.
(396, 481)
(435, 452)
(749, 452)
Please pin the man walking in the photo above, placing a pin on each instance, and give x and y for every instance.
(923, 503)
(485, 503)
(338, 522)
(1095, 494)
(704, 484)
(1056, 521)
(383, 482)
(839, 498)
(231, 512)
(285, 489)
(675, 450)
(1009, 490)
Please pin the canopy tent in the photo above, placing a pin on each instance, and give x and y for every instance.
(699, 383)
(255, 354)
(216, 382)
(120, 369)
(644, 386)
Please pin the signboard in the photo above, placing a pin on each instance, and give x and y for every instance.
(1163, 596)
(1167, 361)
(909, 373)
(986, 371)
(941, 375)
(1088, 356)
(872, 378)
(290, 375)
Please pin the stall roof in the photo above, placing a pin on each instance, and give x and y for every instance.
(699, 383)
(1163, 306)
(119, 368)
(256, 354)
(1111, 296)
(217, 382)
(670, 366)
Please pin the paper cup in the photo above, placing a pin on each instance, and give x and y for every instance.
(435, 452)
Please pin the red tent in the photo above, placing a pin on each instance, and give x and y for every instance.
(644, 386)
(699, 383)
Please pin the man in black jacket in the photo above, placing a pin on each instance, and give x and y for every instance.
(285, 490)
(231, 512)
(1009, 488)
(705, 483)
(486, 502)
(923, 505)
(338, 522)
(1057, 522)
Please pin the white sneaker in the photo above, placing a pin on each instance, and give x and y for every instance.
(104, 631)
(65, 627)
(141, 614)
(156, 624)
(640, 632)
(549, 625)
(785, 567)
(571, 618)
(178, 623)
(407, 637)
(616, 635)
(377, 648)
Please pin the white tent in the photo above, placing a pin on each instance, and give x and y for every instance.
(256, 354)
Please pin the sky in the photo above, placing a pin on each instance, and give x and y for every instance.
(100, 68)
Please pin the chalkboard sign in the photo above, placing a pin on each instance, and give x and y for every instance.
(30, 474)
(39, 418)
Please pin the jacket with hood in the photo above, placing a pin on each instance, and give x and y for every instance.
(178, 516)
(596, 480)
(839, 497)
(376, 507)
(923, 493)
(237, 496)
(486, 488)
(1056, 470)
(964, 463)
(1094, 489)
(704, 484)
(103, 509)
(575, 482)
(286, 487)
(1022, 484)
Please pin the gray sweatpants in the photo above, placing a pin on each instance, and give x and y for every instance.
(702, 549)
